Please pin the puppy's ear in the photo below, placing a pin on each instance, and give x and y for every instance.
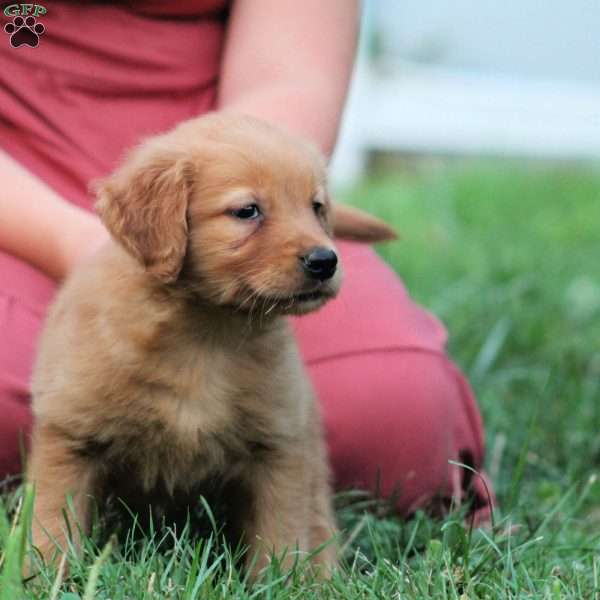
(350, 223)
(144, 204)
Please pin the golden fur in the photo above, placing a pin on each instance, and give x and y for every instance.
(167, 360)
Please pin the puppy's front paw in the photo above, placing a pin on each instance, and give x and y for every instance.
(325, 561)
(261, 553)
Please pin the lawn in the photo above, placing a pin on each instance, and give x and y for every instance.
(509, 257)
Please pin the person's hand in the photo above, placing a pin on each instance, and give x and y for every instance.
(84, 234)
(40, 227)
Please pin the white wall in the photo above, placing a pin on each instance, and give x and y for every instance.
(518, 77)
(550, 39)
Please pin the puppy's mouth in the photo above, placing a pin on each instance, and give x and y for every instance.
(292, 304)
(310, 296)
(302, 302)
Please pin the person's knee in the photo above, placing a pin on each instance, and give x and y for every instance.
(15, 426)
(394, 419)
(20, 325)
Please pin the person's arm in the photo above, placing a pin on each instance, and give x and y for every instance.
(41, 228)
(290, 62)
(285, 61)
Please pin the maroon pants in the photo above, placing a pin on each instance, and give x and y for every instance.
(106, 74)
(395, 408)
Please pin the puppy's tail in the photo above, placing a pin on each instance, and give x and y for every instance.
(353, 224)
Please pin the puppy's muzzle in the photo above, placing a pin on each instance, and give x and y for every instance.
(319, 263)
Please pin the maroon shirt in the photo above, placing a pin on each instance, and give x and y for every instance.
(103, 76)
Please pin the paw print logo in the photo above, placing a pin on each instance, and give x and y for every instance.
(24, 32)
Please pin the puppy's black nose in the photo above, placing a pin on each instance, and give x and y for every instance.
(319, 263)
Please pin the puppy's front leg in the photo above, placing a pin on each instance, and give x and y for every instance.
(322, 528)
(277, 521)
(58, 473)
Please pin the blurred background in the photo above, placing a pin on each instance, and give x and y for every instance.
(473, 126)
(474, 77)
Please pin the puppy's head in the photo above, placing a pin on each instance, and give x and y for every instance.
(231, 207)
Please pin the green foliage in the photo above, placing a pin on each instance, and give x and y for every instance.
(507, 256)
(13, 541)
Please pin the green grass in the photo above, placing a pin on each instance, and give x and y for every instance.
(508, 256)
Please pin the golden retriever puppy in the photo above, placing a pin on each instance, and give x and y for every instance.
(167, 363)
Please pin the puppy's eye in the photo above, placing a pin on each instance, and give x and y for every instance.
(247, 213)
(318, 208)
